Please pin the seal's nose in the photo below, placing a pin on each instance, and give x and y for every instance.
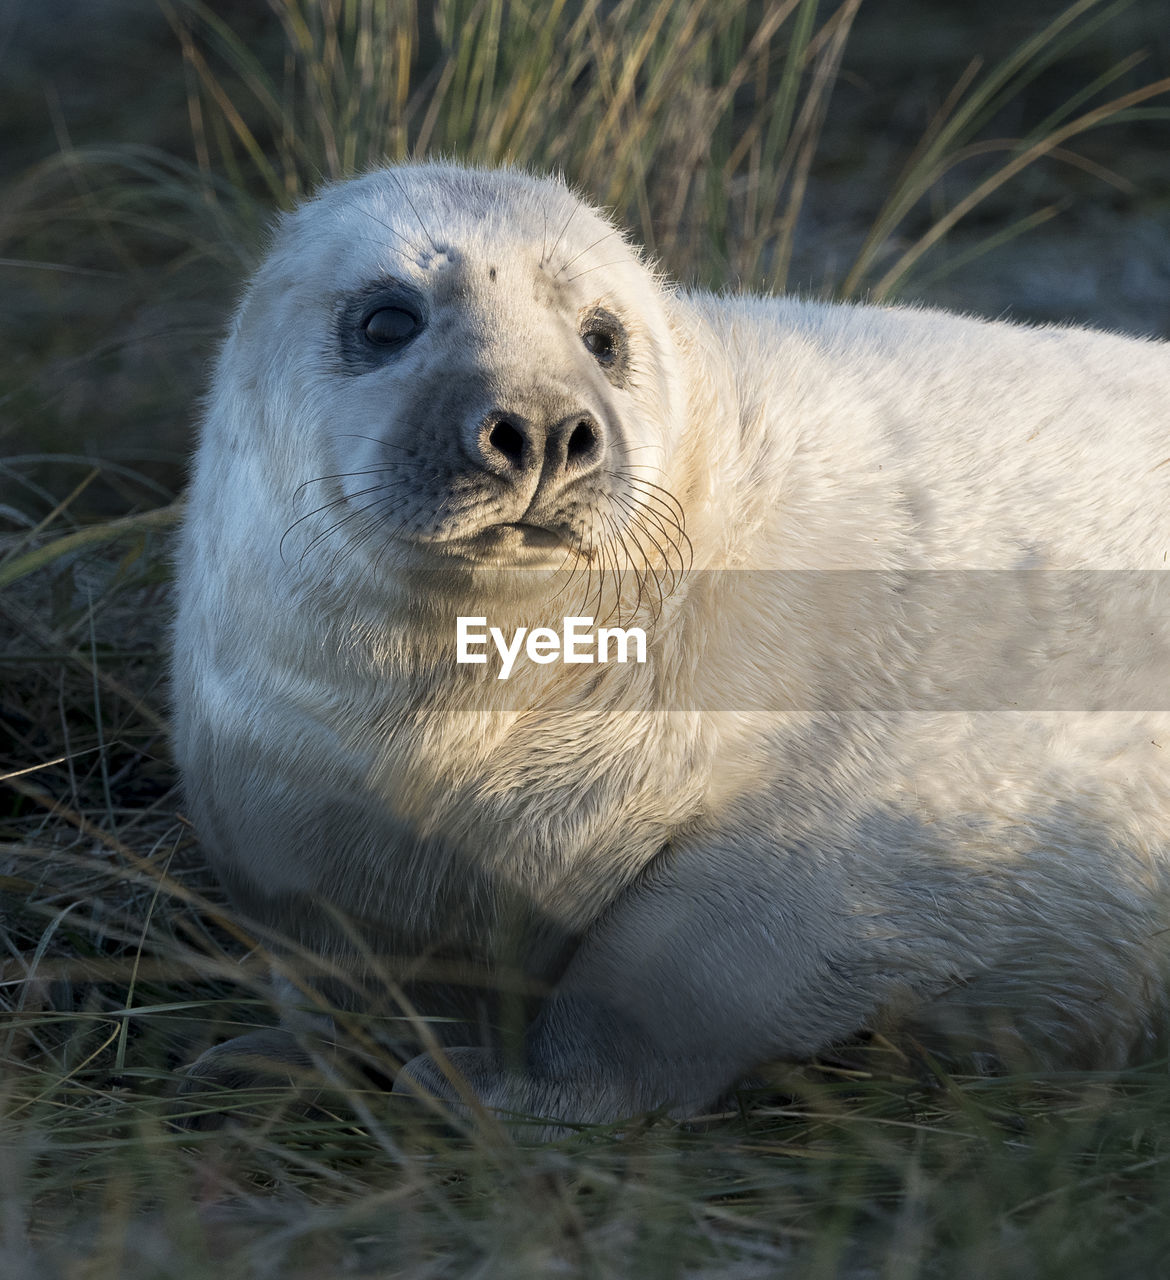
(515, 447)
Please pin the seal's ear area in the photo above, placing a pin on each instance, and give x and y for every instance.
(280, 275)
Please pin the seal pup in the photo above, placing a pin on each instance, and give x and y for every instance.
(898, 753)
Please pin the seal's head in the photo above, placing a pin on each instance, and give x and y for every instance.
(460, 368)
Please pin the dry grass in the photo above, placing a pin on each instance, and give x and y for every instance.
(700, 124)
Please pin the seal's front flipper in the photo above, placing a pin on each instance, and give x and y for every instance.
(245, 1077)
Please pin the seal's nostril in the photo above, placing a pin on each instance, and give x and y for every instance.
(505, 439)
(582, 440)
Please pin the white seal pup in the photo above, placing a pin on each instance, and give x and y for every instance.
(898, 754)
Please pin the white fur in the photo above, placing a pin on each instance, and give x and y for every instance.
(846, 846)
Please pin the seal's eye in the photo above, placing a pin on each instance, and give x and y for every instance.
(606, 340)
(601, 343)
(391, 326)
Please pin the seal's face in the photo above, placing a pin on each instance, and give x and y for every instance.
(485, 366)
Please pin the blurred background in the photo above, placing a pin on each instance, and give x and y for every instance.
(968, 153)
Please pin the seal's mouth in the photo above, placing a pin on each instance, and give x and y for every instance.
(509, 543)
(512, 535)
(533, 535)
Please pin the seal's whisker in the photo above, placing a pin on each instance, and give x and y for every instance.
(382, 444)
(414, 209)
(624, 564)
(574, 555)
(665, 494)
(387, 507)
(664, 520)
(643, 511)
(584, 562)
(571, 554)
(364, 471)
(330, 530)
(651, 568)
(677, 518)
(639, 567)
(639, 571)
(597, 560)
(354, 514)
(600, 239)
(564, 229)
(633, 473)
(354, 544)
(597, 266)
(666, 577)
(590, 565)
(597, 563)
(340, 500)
(654, 501)
(387, 542)
(641, 515)
(645, 578)
(587, 566)
(645, 572)
(616, 537)
(410, 244)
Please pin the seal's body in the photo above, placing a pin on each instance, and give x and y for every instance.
(897, 755)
